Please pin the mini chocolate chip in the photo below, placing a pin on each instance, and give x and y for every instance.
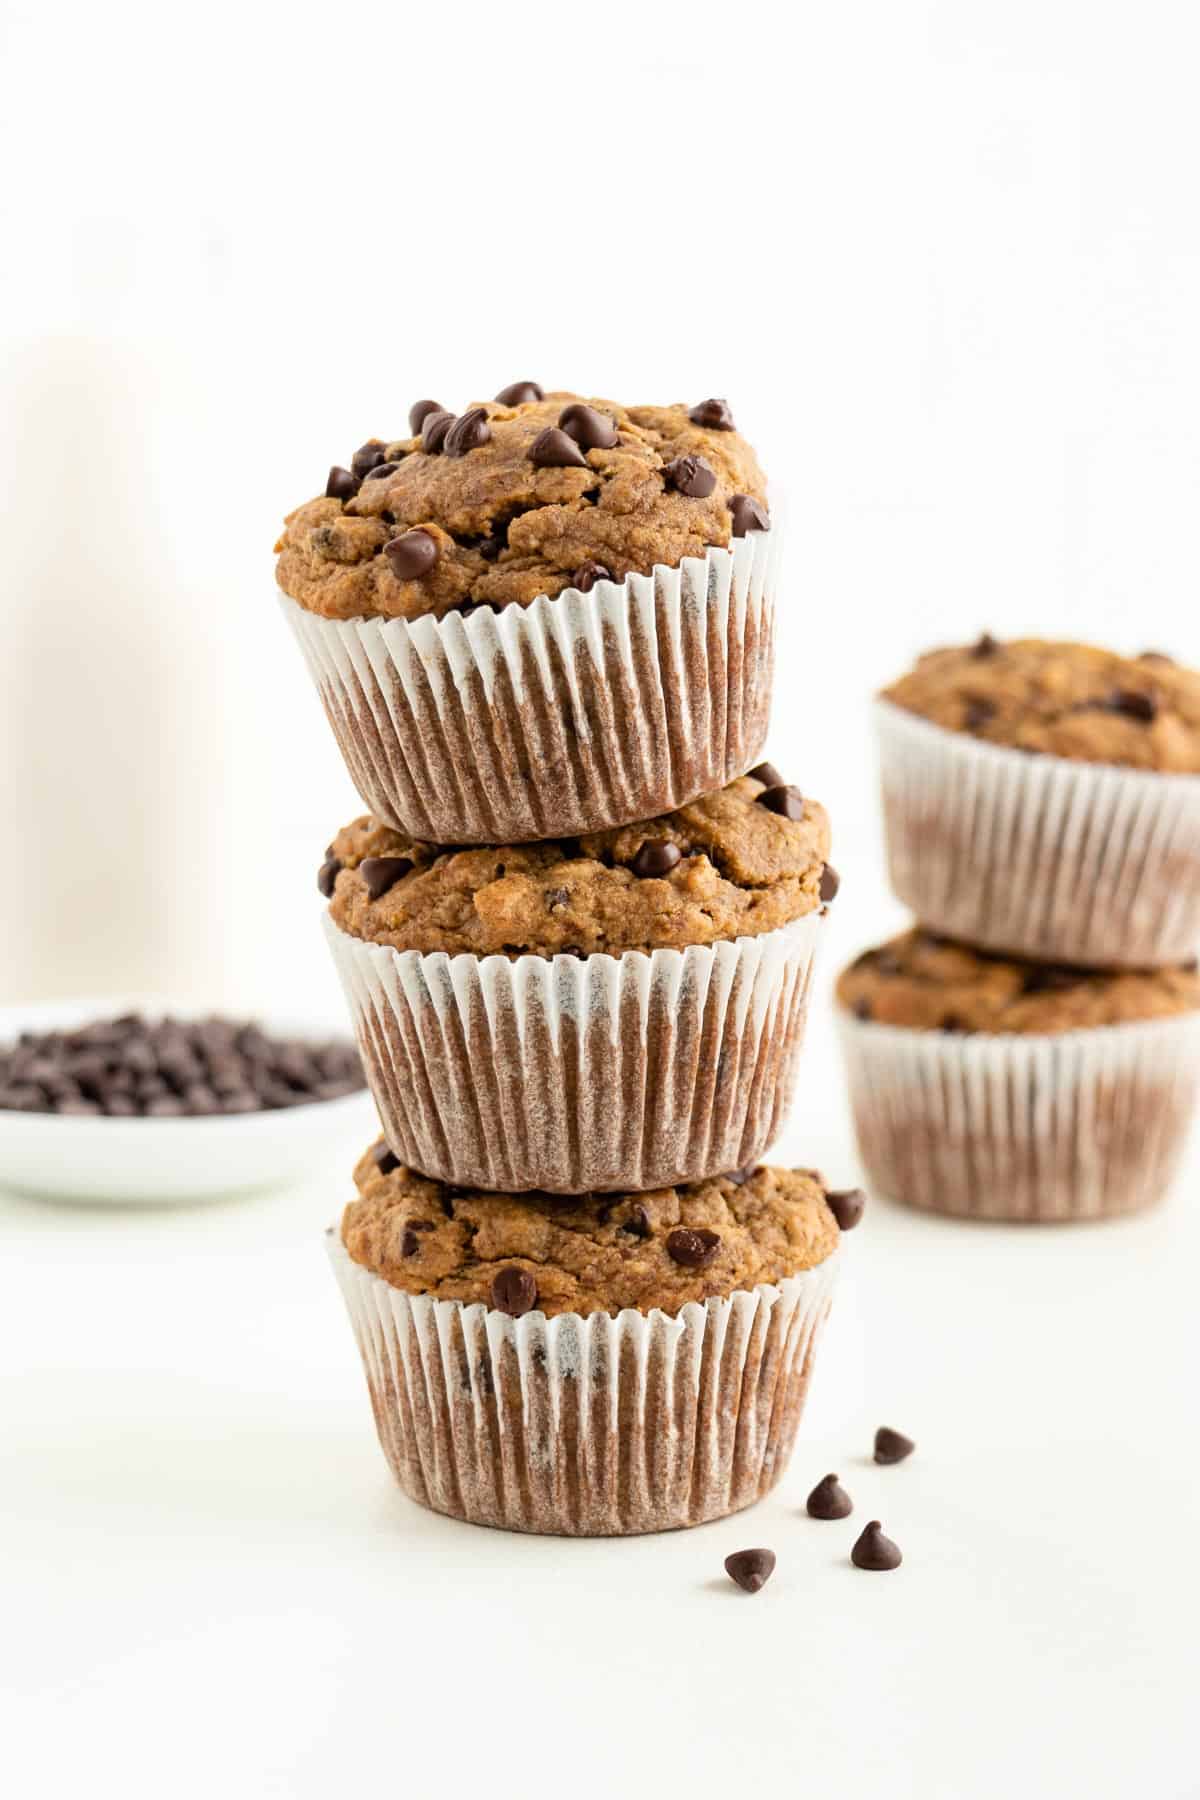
(433, 431)
(978, 714)
(657, 857)
(419, 411)
(385, 1158)
(874, 1551)
(1046, 979)
(412, 555)
(519, 392)
(692, 1249)
(342, 485)
(637, 1224)
(740, 1177)
(768, 774)
(588, 574)
(690, 476)
(327, 874)
(1134, 705)
(985, 645)
(368, 456)
(380, 470)
(410, 1243)
(747, 515)
(831, 881)
(594, 430)
(468, 432)
(862, 1010)
(553, 449)
(514, 1291)
(382, 872)
(846, 1205)
(952, 1025)
(421, 1225)
(788, 802)
(892, 1446)
(829, 1500)
(714, 415)
(751, 1569)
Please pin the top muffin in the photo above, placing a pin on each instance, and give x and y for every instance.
(1062, 699)
(523, 495)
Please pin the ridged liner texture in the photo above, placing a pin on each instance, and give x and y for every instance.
(1081, 1125)
(569, 715)
(1036, 855)
(567, 1074)
(587, 1426)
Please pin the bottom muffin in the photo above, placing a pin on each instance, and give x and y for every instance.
(989, 1088)
(588, 1365)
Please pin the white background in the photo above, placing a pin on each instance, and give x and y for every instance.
(945, 261)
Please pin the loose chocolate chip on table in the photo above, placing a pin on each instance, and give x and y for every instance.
(751, 1569)
(412, 555)
(519, 392)
(594, 430)
(768, 774)
(657, 857)
(385, 1159)
(1134, 705)
(342, 485)
(692, 1249)
(788, 802)
(690, 476)
(419, 411)
(433, 432)
(985, 645)
(978, 714)
(829, 1500)
(368, 456)
(747, 515)
(892, 1446)
(327, 874)
(553, 449)
(380, 470)
(382, 872)
(831, 881)
(874, 1551)
(846, 1205)
(588, 574)
(468, 432)
(714, 415)
(514, 1291)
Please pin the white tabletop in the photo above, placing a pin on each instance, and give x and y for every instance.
(213, 1588)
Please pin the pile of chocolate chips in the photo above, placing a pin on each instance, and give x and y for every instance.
(167, 1068)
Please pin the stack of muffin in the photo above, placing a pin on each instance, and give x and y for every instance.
(1030, 1050)
(576, 937)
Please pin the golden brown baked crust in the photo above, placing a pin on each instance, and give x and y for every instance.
(1062, 699)
(743, 870)
(587, 1253)
(507, 530)
(930, 984)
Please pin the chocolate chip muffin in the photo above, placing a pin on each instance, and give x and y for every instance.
(991, 1088)
(539, 617)
(622, 1010)
(593, 1365)
(1043, 800)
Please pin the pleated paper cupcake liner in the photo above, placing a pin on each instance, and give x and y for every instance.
(565, 716)
(587, 1426)
(568, 1074)
(1039, 856)
(1081, 1125)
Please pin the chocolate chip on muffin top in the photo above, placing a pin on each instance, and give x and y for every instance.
(514, 496)
(586, 1253)
(929, 983)
(1062, 699)
(724, 866)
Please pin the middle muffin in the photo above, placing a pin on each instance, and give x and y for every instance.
(618, 1011)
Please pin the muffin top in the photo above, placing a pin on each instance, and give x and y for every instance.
(732, 864)
(523, 495)
(1071, 700)
(931, 984)
(586, 1253)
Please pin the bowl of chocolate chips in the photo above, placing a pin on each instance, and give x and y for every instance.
(105, 1101)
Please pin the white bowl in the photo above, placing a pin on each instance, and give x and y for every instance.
(156, 1161)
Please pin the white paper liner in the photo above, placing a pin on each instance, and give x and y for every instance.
(1037, 855)
(567, 1073)
(565, 716)
(1079, 1125)
(587, 1426)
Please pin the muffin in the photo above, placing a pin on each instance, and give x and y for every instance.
(1043, 799)
(542, 617)
(591, 1366)
(996, 1089)
(619, 1010)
